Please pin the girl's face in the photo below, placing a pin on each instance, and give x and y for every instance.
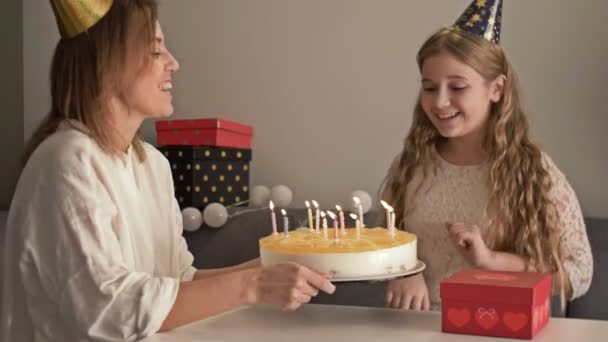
(455, 97)
(148, 95)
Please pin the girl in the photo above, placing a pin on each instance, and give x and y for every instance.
(93, 247)
(470, 182)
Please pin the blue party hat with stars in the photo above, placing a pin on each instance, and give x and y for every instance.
(482, 18)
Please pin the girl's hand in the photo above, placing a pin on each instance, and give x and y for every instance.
(470, 243)
(409, 293)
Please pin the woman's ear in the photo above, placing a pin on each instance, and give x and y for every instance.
(497, 88)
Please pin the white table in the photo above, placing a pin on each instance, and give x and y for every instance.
(316, 323)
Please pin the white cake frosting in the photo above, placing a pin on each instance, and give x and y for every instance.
(372, 252)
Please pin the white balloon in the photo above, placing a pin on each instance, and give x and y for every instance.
(281, 195)
(215, 215)
(364, 197)
(192, 219)
(259, 196)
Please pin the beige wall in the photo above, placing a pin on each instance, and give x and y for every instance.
(40, 35)
(11, 99)
(329, 84)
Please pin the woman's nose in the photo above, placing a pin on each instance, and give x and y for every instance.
(172, 64)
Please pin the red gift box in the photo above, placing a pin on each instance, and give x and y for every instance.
(490, 303)
(203, 132)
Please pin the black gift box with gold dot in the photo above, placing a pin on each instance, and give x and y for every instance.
(204, 174)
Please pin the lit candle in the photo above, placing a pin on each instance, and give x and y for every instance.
(389, 217)
(273, 217)
(310, 225)
(393, 223)
(324, 225)
(335, 218)
(388, 213)
(360, 209)
(341, 215)
(357, 224)
(316, 204)
(285, 223)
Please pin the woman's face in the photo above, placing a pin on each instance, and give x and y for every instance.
(455, 97)
(148, 95)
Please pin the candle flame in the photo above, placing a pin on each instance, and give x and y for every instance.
(331, 214)
(339, 208)
(322, 214)
(386, 206)
(283, 212)
(271, 205)
(357, 200)
(354, 216)
(315, 203)
(307, 204)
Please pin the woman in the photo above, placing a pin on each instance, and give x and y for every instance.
(93, 247)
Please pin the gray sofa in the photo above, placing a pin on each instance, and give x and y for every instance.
(237, 241)
(594, 304)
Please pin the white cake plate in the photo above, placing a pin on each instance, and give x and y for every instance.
(420, 266)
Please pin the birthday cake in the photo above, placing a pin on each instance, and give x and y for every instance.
(371, 252)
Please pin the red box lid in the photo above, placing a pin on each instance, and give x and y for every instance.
(504, 287)
(207, 123)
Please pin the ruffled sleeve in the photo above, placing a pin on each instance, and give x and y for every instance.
(575, 248)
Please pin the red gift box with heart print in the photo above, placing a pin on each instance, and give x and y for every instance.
(490, 303)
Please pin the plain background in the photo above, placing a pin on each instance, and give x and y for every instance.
(329, 85)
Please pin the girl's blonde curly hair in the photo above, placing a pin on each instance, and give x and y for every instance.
(523, 218)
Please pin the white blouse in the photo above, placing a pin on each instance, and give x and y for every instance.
(94, 247)
(459, 194)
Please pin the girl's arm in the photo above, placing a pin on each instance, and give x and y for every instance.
(503, 261)
(574, 243)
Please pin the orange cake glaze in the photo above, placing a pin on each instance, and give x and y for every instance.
(306, 241)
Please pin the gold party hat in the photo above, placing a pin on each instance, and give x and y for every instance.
(76, 16)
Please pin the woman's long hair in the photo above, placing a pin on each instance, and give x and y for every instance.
(88, 67)
(523, 218)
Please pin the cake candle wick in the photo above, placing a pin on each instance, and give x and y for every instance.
(324, 225)
(273, 218)
(310, 223)
(357, 224)
(341, 215)
(360, 209)
(335, 219)
(390, 217)
(285, 223)
(393, 223)
(316, 204)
